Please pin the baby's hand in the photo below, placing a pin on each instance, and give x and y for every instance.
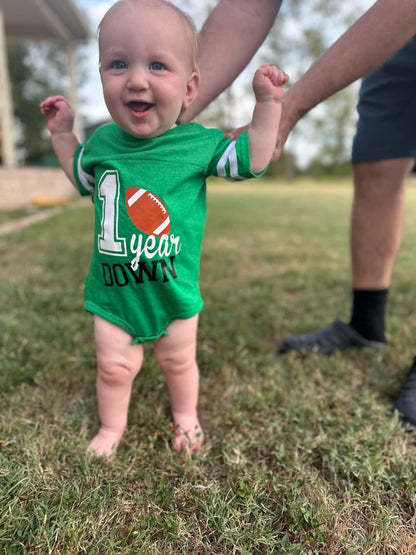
(268, 83)
(59, 114)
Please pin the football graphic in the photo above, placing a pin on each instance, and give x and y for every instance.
(147, 211)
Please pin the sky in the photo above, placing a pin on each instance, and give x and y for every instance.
(92, 104)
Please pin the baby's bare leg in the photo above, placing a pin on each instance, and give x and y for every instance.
(118, 364)
(176, 354)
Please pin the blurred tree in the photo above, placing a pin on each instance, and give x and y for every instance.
(37, 70)
(303, 30)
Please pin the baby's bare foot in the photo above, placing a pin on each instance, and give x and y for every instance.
(104, 444)
(188, 434)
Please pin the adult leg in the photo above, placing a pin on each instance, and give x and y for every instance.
(176, 355)
(118, 363)
(384, 150)
(377, 219)
(376, 231)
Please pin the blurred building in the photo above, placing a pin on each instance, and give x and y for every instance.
(49, 20)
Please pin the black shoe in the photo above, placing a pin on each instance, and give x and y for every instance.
(336, 336)
(406, 402)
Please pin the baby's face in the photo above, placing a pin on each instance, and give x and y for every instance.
(145, 68)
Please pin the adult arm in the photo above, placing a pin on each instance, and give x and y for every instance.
(369, 42)
(228, 40)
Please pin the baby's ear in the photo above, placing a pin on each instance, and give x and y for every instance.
(192, 89)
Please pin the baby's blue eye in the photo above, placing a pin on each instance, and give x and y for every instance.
(119, 64)
(157, 66)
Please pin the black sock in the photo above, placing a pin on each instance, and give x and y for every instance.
(368, 312)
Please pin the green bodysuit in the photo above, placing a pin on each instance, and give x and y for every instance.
(150, 208)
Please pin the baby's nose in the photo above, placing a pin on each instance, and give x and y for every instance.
(138, 78)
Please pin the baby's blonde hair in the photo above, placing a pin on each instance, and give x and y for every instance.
(184, 17)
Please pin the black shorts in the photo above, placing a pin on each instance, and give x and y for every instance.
(386, 126)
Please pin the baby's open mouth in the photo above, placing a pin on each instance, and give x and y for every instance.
(139, 107)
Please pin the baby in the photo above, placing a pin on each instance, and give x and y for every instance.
(147, 177)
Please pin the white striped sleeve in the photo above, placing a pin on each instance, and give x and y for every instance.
(85, 180)
(228, 164)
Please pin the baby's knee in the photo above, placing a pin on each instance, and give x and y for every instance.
(176, 365)
(114, 371)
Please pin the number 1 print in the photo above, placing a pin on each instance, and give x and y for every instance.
(109, 241)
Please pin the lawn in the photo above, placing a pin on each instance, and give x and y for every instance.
(301, 456)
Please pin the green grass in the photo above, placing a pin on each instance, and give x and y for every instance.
(11, 215)
(302, 456)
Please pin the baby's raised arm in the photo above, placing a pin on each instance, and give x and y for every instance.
(264, 127)
(60, 116)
